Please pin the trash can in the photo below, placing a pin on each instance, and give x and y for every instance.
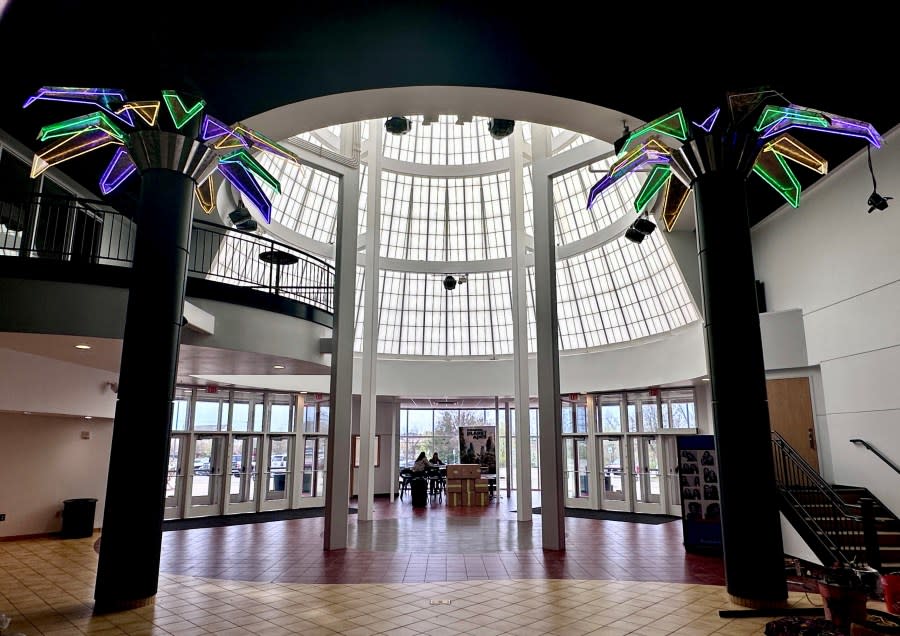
(419, 487)
(78, 518)
(279, 482)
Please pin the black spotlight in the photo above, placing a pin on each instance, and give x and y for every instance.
(500, 128)
(633, 235)
(878, 202)
(875, 200)
(641, 227)
(397, 125)
(449, 283)
(644, 225)
(242, 220)
(618, 143)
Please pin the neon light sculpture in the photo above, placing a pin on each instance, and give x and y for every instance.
(114, 124)
(772, 148)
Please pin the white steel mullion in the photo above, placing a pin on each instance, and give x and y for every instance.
(337, 477)
(552, 514)
(368, 406)
(519, 290)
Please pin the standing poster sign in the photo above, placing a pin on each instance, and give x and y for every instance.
(477, 445)
(698, 469)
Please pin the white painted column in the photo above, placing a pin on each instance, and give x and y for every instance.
(337, 478)
(520, 326)
(395, 444)
(595, 481)
(552, 513)
(297, 461)
(368, 405)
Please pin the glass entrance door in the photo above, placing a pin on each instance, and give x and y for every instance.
(277, 473)
(175, 478)
(613, 496)
(671, 488)
(207, 484)
(645, 474)
(313, 485)
(576, 474)
(243, 478)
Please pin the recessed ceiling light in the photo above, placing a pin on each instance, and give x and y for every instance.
(705, 379)
(88, 417)
(82, 346)
(26, 412)
(303, 392)
(277, 366)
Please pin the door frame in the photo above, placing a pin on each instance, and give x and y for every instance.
(820, 420)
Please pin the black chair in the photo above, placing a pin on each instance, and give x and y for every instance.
(406, 475)
(437, 478)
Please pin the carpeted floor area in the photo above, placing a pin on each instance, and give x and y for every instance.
(253, 517)
(612, 515)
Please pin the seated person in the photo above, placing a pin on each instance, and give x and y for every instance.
(435, 460)
(421, 464)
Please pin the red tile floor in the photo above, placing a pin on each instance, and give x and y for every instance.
(405, 544)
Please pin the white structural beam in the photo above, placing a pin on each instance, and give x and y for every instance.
(368, 405)
(520, 326)
(337, 478)
(552, 514)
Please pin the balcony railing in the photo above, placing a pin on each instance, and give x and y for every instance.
(91, 232)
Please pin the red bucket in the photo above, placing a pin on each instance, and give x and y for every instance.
(891, 584)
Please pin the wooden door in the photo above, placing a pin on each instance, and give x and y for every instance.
(791, 416)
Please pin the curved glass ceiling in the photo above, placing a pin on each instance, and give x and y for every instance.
(614, 293)
(446, 218)
(446, 143)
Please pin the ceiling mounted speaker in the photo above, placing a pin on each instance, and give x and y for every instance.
(500, 128)
(449, 283)
(397, 125)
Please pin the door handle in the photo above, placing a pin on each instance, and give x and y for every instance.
(812, 438)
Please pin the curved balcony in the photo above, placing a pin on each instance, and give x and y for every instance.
(81, 240)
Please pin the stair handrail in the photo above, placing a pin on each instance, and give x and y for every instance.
(794, 475)
(877, 452)
(817, 479)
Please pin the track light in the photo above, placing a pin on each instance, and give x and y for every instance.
(397, 125)
(641, 228)
(500, 128)
(618, 143)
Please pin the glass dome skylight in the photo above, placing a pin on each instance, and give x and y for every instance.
(607, 293)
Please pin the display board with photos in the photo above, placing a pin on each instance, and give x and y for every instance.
(701, 507)
(477, 445)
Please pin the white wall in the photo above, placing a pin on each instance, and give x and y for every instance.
(45, 461)
(42, 385)
(676, 357)
(841, 267)
(386, 429)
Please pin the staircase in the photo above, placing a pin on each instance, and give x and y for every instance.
(839, 523)
(887, 525)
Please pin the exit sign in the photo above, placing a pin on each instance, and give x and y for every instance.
(212, 388)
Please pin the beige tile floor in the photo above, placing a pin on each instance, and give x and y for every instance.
(46, 587)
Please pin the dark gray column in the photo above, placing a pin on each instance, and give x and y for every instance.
(128, 570)
(751, 528)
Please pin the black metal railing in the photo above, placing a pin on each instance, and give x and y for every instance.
(81, 231)
(877, 452)
(832, 525)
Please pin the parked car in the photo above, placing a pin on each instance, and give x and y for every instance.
(201, 466)
(278, 462)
